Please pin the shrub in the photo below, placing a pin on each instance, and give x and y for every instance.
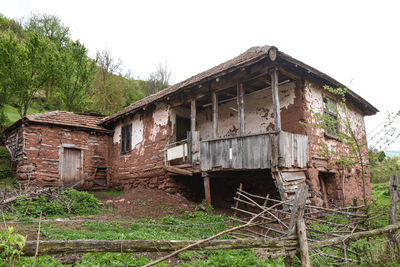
(11, 244)
(70, 201)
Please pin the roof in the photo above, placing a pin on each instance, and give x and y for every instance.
(63, 118)
(249, 57)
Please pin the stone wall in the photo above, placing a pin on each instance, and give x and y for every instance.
(39, 153)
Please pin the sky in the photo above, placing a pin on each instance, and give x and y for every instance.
(355, 42)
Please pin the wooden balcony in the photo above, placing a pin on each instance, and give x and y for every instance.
(258, 151)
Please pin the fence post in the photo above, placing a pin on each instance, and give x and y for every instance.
(297, 223)
(394, 197)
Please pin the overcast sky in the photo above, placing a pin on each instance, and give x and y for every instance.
(355, 42)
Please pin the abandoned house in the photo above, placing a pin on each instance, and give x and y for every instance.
(238, 122)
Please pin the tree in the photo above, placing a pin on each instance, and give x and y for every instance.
(28, 65)
(108, 91)
(158, 79)
(356, 153)
(133, 89)
(49, 26)
(75, 75)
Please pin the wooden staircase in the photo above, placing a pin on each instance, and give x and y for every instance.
(287, 181)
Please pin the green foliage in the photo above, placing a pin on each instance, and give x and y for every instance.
(75, 76)
(113, 259)
(381, 167)
(70, 201)
(41, 261)
(203, 206)
(11, 244)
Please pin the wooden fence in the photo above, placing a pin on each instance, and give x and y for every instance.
(263, 222)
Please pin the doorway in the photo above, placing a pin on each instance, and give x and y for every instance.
(327, 183)
(72, 166)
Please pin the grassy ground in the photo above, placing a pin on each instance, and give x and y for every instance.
(12, 113)
(191, 225)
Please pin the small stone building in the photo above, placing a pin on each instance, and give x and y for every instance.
(238, 122)
(59, 148)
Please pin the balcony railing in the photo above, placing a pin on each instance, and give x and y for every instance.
(257, 151)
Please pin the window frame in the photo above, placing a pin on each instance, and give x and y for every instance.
(126, 138)
(328, 102)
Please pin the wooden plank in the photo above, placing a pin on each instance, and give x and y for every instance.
(177, 170)
(193, 115)
(275, 100)
(241, 112)
(214, 114)
(394, 198)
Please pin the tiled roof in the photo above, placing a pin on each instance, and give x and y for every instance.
(253, 54)
(67, 118)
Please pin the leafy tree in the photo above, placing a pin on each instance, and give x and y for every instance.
(29, 65)
(108, 91)
(158, 79)
(7, 24)
(75, 76)
(49, 26)
(133, 89)
(382, 167)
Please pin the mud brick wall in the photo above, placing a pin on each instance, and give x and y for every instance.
(348, 183)
(37, 161)
(143, 164)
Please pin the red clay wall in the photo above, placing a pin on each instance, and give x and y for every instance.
(38, 161)
(143, 164)
(348, 184)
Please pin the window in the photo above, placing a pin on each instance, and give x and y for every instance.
(126, 134)
(332, 124)
(182, 127)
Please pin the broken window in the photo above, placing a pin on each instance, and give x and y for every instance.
(330, 110)
(126, 137)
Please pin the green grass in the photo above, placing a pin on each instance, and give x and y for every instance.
(12, 114)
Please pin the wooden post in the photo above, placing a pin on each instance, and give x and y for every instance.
(297, 223)
(240, 103)
(275, 100)
(193, 115)
(394, 198)
(214, 114)
(207, 192)
(324, 193)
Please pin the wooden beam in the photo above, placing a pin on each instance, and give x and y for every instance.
(275, 99)
(207, 191)
(240, 103)
(177, 171)
(193, 115)
(214, 114)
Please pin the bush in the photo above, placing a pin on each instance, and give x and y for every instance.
(70, 201)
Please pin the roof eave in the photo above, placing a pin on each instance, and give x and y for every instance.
(367, 108)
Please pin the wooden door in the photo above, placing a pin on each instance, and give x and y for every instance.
(72, 166)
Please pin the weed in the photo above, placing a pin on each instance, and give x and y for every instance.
(71, 202)
(11, 244)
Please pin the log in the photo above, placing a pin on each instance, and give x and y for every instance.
(275, 99)
(354, 236)
(177, 170)
(275, 247)
(52, 247)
